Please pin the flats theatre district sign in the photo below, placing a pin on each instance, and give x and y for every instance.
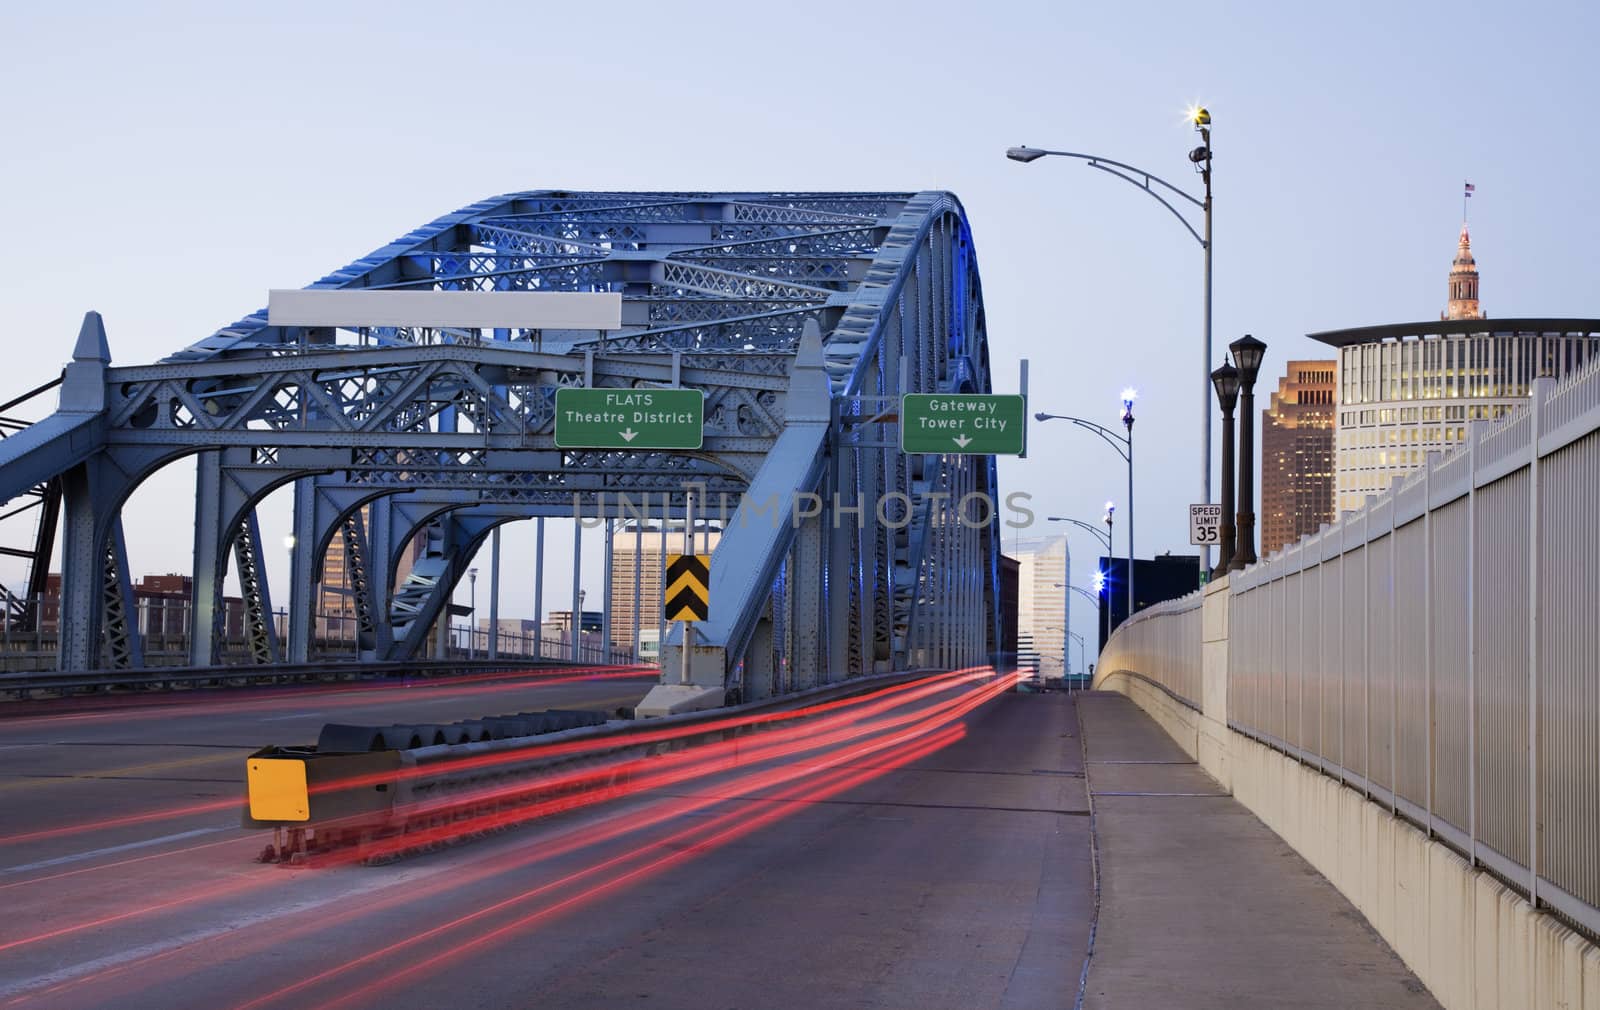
(965, 423)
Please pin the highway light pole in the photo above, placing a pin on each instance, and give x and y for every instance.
(1066, 587)
(1201, 158)
(1099, 533)
(1124, 447)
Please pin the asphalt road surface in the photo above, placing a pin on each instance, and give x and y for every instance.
(933, 855)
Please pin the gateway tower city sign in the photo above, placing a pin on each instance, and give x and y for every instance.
(977, 424)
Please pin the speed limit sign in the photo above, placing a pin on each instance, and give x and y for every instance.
(1205, 524)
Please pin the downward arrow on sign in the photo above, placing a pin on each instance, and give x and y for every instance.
(628, 435)
(962, 440)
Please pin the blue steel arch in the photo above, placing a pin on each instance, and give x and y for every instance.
(802, 315)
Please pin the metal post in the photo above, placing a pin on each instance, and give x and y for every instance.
(494, 594)
(1111, 535)
(638, 572)
(1472, 642)
(538, 587)
(1244, 552)
(688, 626)
(605, 593)
(1131, 556)
(661, 585)
(1541, 391)
(472, 612)
(1427, 640)
(1066, 614)
(1205, 395)
(577, 591)
(1226, 536)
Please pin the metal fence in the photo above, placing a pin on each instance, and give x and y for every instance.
(1439, 650)
(36, 651)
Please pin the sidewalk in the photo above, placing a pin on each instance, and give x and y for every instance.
(1203, 906)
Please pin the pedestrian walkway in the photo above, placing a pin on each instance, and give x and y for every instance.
(1201, 905)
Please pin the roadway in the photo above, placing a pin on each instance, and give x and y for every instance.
(929, 847)
(74, 763)
(921, 866)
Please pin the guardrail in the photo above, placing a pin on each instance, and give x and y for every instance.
(319, 801)
(173, 677)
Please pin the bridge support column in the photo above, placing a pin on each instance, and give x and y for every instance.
(843, 610)
(808, 612)
(121, 615)
(251, 564)
(210, 559)
(78, 637)
(302, 559)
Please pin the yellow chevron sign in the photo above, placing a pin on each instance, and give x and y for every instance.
(688, 587)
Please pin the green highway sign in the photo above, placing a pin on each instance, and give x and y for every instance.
(629, 418)
(979, 424)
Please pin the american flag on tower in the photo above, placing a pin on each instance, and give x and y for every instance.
(1470, 188)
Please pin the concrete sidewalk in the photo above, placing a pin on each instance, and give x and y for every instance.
(1203, 906)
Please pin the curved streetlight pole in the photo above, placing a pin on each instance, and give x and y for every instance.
(1100, 534)
(1083, 664)
(1066, 605)
(1201, 158)
(1124, 447)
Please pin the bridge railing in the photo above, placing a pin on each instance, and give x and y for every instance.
(1160, 645)
(1437, 650)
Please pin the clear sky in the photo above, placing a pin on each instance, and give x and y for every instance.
(167, 164)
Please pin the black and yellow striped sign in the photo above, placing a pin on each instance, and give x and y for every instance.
(688, 587)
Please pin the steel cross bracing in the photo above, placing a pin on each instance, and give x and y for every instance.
(793, 312)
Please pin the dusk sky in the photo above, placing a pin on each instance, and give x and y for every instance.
(167, 164)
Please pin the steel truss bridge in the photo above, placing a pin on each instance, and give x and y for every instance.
(801, 316)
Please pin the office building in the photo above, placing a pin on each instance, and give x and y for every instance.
(1043, 565)
(1297, 454)
(643, 567)
(1161, 578)
(1405, 389)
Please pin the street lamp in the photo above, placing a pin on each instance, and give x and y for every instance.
(1104, 538)
(1124, 447)
(472, 611)
(1226, 381)
(1200, 118)
(1099, 533)
(1248, 352)
(1083, 664)
(1102, 598)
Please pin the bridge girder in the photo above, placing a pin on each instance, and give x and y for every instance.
(799, 315)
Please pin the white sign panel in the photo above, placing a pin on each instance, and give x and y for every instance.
(534, 310)
(1205, 524)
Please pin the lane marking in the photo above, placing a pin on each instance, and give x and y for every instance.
(70, 973)
(110, 850)
(124, 771)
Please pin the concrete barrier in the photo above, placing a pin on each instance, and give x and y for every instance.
(1475, 943)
